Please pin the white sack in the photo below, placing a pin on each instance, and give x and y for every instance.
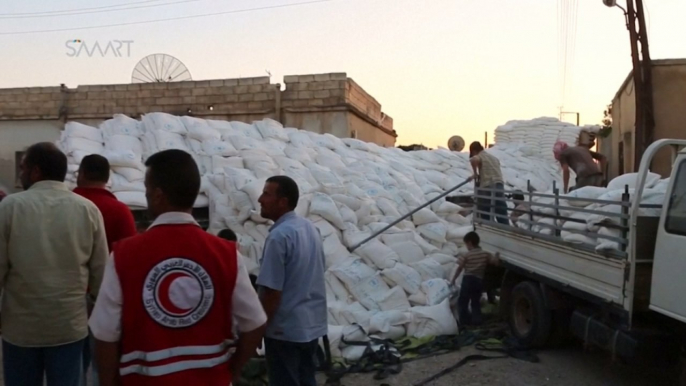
(403, 276)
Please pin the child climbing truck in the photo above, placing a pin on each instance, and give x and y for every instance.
(474, 264)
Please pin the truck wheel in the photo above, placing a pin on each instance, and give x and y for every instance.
(529, 319)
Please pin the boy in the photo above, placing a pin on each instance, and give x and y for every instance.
(229, 235)
(474, 264)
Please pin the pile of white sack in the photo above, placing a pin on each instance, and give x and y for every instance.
(393, 286)
(540, 134)
(597, 225)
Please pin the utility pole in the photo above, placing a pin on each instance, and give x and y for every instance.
(642, 74)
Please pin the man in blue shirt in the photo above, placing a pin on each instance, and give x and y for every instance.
(292, 288)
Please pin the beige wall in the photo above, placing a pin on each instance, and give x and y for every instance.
(322, 103)
(669, 100)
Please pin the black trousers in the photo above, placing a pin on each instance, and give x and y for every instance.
(291, 363)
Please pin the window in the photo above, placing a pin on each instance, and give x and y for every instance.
(676, 212)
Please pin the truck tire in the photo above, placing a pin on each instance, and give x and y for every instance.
(529, 319)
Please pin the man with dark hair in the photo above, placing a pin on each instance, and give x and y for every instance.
(170, 296)
(583, 161)
(91, 181)
(489, 182)
(52, 247)
(474, 264)
(93, 174)
(228, 234)
(292, 288)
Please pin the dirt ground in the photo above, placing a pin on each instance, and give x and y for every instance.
(572, 366)
(563, 367)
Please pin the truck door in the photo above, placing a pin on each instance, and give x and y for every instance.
(668, 290)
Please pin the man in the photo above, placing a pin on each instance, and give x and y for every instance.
(292, 287)
(93, 174)
(474, 264)
(489, 181)
(582, 160)
(165, 312)
(52, 248)
(228, 234)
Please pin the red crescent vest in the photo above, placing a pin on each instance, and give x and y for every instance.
(177, 284)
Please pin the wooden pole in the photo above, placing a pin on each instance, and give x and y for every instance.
(638, 84)
(647, 75)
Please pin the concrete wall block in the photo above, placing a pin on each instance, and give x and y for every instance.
(189, 100)
(287, 103)
(35, 90)
(300, 103)
(337, 93)
(230, 98)
(172, 92)
(133, 87)
(202, 83)
(216, 99)
(289, 95)
(243, 89)
(198, 91)
(322, 77)
(305, 95)
(255, 88)
(322, 94)
(185, 92)
(57, 96)
(255, 106)
(261, 97)
(261, 80)
(338, 76)
(334, 101)
(169, 101)
(224, 90)
(157, 93)
(246, 97)
(144, 93)
(202, 100)
(123, 94)
(49, 89)
(246, 81)
(315, 86)
(216, 83)
(315, 102)
(306, 78)
(332, 85)
(187, 84)
(230, 82)
(290, 79)
(147, 86)
(120, 87)
(301, 87)
(240, 106)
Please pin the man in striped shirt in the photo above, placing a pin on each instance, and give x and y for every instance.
(474, 264)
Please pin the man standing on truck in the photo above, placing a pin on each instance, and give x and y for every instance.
(170, 296)
(582, 160)
(489, 181)
(473, 264)
(91, 181)
(292, 287)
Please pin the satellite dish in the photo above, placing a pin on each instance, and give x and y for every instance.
(160, 68)
(456, 143)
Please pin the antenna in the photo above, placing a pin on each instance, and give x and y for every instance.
(160, 68)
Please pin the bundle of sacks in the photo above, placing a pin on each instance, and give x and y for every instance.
(392, 286)
(596, 230)
(540, 134)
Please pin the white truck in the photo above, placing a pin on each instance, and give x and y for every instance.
(631, 302)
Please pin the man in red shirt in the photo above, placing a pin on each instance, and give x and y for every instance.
(94, 172)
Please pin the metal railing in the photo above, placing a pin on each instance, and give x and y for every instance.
(494, 207)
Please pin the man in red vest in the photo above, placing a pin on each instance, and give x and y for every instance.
(169, 297)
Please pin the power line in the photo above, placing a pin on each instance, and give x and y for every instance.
(82, 12)
(168, 19)
(79, 9)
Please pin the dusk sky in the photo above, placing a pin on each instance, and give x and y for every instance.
(438, 67)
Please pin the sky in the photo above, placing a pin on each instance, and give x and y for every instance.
(438, 67)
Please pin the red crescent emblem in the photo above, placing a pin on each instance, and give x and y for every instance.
(163, 294)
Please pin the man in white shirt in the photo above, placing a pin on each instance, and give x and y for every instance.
(169, 298)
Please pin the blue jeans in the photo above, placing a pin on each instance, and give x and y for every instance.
(89, 361)
(497, 199)
(26, 366)
(290, 363)
(470, 297)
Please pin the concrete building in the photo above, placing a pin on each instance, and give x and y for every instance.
(669, 99)
(322, 103)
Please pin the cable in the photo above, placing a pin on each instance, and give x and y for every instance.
(82, 12)
(79, 9)
(168, 19)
